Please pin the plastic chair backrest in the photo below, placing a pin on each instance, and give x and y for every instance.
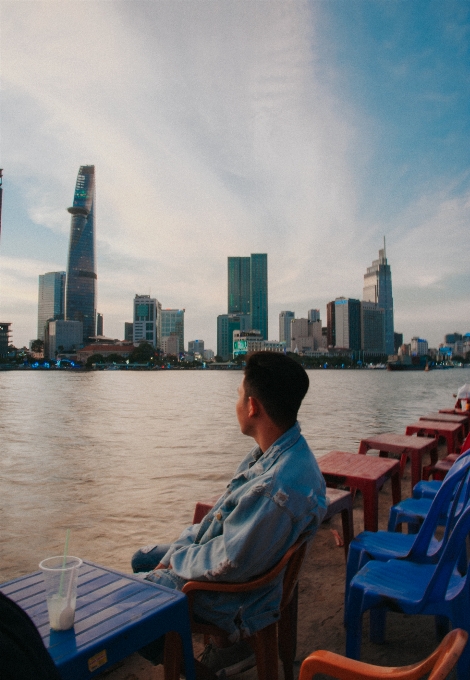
(449, 559)
(465, 445)
(439, 663)
(451, 498)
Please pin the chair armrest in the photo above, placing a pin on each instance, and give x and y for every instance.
(253, 584)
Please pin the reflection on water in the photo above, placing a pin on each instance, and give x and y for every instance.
(121, 458)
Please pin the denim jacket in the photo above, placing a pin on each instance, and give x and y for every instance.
(273, 498)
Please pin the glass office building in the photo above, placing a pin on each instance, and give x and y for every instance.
(238, 285)
(51, 299)
(81, 267)
(248, 289)
(259, 293)
(378, 289)
(147, 320)
(348, 323)
(173, 324)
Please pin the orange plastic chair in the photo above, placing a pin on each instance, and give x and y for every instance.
(438, 664)
(279, 637)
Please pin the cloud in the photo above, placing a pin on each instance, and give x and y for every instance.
(216, 129)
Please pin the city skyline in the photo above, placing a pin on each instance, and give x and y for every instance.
(305, 130)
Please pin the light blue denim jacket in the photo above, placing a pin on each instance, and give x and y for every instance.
(271, 500)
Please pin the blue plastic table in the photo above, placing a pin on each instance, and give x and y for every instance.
(116, 615)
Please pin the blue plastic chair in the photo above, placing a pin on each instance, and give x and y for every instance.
(413, 510)
(404, 586)
(429, 488)
(422, 547)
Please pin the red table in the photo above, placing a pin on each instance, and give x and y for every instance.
(366, 473)
(448, 418)
(405, 446)
(452, 432)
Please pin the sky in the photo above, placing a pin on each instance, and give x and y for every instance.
(309, 130)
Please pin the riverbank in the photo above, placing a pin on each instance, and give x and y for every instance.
(321, 599)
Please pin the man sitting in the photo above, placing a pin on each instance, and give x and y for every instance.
(276, 494)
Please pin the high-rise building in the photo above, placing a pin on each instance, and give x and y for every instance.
(348, 323)
(81, 266)
(306, 336)
(397, 341)
(62, 336)
(372, 328)
(378, 289)
(330, 324)
(173, 324)
(226, 324)
(259, 293)
(239, 285)
(128, 331)
(248, 289)
(4, 338)
(51, 299)
(419, 347)
(285, 319)
(196, 347)
(147, 320)
(313, 315)
(99, 324)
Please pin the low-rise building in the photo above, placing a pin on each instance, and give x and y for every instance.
(171, 344)
(122, 349)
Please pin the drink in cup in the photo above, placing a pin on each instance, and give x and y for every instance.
(60, 578)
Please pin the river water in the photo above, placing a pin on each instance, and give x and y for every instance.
(120, 458)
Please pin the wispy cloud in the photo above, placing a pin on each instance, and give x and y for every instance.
(216, 129)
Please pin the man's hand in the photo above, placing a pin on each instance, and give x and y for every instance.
(162, 566)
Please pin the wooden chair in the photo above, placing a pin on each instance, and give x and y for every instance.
(438, 664)
(279, 637)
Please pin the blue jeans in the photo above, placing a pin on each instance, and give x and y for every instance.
(146, 559)
(149, 557)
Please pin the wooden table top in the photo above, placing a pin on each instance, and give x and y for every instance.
(445, 417)
(355, 467)
(436, 425)
(399, 443)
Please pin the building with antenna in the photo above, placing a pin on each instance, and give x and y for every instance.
(378, 289)
(81, 266)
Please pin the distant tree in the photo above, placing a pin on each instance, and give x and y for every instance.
(142, 354)
(115, 358)
(218, 359)
(95, 359)
(37, 345)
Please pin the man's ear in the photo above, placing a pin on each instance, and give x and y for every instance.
(253, 407)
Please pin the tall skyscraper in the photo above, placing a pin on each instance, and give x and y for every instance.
(51, 299)
(259, 293)
(173, 324)
(248, 289)
(285, 319)
(81, 266)
(238, 285)
(378, 289)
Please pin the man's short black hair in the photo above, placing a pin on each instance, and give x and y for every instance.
(279, 383)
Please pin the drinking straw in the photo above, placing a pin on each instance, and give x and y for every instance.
(64, 561)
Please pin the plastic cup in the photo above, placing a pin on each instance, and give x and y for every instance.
(61, 589)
